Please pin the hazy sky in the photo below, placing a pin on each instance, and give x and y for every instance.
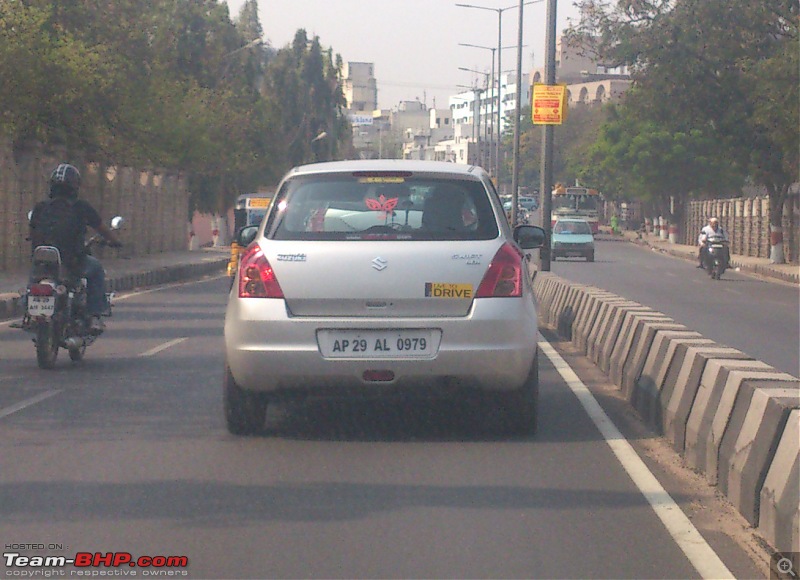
(413, 43)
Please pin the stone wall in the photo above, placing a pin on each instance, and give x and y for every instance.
(747, 222)
(154, 203)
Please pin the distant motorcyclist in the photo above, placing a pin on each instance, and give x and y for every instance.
(61, 222)
(711, 229)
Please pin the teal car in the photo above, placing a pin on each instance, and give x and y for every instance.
(572, 238)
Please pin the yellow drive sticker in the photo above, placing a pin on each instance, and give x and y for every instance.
(258, 202)
(382, 180)
(446, 290)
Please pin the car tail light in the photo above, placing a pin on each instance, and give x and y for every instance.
(256, 277)
(41, 290)
(504, 276)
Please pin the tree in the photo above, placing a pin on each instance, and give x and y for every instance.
(638, 158)
(720, 67)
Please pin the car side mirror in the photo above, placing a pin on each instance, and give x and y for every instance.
(116, 222)
(247, 235)
(529, 237)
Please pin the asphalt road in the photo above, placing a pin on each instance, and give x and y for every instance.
(127, 452)
(758, 317)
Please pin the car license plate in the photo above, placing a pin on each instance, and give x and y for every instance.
(377, 343)
(41, 305)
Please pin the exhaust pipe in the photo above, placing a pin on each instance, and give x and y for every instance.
(73, 343)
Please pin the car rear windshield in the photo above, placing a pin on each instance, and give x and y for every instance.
(389, 207)
(572, 228)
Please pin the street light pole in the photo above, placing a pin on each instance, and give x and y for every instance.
(491, 113)
(476, 121)
(515, 171)
(482, 155)
(499, 69)
(546, 185)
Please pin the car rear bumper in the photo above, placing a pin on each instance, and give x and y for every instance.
(490, 349)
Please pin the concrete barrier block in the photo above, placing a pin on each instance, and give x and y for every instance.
(722, 414)
(779, 506)
(618, 314)
(756, 424)
(712, 383)
(558, 288)
(587, 293)
(590, 320)
(609, 327)
(544, 297)
(624, 344)
(643, 336)
(681, 386)
(591, 293)
(598, 330)
(569, 310)
(648, 396)
(558, 302)
(539, 280)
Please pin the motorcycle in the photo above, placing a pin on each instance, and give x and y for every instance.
(56, 305)
(717, 255)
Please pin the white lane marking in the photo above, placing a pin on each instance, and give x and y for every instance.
(691, 542)
(27, 403)
(164, 346)
(167, 287)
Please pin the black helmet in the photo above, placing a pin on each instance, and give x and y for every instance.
(65, 180)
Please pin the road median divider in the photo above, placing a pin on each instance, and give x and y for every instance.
(734, 419)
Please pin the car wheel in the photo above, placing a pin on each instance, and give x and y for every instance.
(521, 407)
(590, 257)
(245, 411)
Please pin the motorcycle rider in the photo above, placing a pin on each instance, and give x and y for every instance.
(712, 228)
(65, 182)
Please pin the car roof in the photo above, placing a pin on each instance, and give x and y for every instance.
(414, 166)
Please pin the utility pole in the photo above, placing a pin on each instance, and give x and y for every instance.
(546, 184)
(515, 176)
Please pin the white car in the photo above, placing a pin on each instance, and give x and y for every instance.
(383, 277)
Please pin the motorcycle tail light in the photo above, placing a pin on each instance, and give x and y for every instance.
(256, 276)
(503, 279)
(41, 290)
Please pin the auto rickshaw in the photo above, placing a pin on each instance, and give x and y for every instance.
(249, 210)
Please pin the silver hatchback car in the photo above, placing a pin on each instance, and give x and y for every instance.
(383, 277)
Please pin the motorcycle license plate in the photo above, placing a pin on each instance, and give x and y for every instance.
(41, 305)
(717, 246)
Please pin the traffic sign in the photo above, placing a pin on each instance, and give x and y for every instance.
(549, 104)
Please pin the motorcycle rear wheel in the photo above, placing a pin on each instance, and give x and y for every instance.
(46, 345)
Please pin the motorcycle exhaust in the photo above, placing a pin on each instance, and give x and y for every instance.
(73, 343)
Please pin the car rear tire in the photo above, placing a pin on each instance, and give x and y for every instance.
(590, 257)
(521, 407)
(245, 411)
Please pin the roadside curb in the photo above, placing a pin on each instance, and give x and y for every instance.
(766, 270)
(730, 417)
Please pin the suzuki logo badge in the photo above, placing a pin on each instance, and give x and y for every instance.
(379, 264)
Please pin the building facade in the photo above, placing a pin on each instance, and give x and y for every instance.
(360, 86)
